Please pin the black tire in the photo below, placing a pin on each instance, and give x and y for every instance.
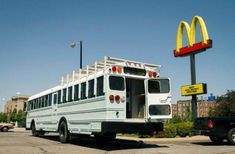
(105, 137)
(216, 140)
(5, 129)
(231, 136)
(34, 131)
(64, 135)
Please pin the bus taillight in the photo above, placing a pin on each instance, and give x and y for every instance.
(119, 70)
(114, 69)
(117, 97)
(111, 98)
(150, 74)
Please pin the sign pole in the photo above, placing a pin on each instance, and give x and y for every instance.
(193, 81)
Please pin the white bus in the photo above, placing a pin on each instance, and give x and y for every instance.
(113, 96)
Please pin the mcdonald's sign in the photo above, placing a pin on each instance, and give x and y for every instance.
(192, 47)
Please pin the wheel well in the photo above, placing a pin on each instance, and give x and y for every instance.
(61, 119)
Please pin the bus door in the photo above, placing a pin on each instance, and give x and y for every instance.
(54, 107)
(158, 98)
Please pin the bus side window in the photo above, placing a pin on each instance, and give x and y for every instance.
(70, 93)
(83, 90)
(55, 98)
(91, 89)
(100, 86)
(64, 95)
(59, 97)
(76, 92)
(41, 98)
(45, 99)
(50, 99)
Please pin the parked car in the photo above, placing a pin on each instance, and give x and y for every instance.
(4, 127)
(217, 128)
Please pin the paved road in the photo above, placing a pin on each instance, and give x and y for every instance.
(21, 142)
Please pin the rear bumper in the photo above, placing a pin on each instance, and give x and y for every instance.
(131, 127)
(211, 132)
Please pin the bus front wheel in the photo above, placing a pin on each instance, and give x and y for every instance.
(63, 132)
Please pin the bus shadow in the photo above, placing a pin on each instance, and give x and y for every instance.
(117, 144)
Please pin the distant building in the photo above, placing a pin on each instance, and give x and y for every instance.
(16, 102)
(183, 106)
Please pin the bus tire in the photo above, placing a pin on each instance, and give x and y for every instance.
(231, 136)
(34, 131)
(63, 132)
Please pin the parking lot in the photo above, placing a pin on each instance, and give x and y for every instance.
(21, 142)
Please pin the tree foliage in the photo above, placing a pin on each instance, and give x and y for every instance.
(3, 117)
(226, 105)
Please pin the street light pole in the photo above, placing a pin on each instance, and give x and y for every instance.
(73, 45)
(80, 54)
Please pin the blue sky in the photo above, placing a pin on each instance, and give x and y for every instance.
(35, 37)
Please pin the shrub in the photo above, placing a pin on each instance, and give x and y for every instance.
(172, 130)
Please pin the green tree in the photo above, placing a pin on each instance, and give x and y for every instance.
(3, 117)
(14, 115)
(20, 116)
(226, 105)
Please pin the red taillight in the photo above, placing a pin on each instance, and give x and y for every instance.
(210, 124)
(154, 74)
(114, 68)
(111, 97)
(117, 97)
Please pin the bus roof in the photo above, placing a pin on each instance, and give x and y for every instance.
(104, 64)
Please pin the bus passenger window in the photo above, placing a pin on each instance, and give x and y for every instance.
(55, 99)
(41, 98)
(100, 86)
(59, 96)
(46, 100)
(70, 93)
(76, 92)
(116, 83)
(50, 99)
(91, 89)
(64, 95)
(83, 90)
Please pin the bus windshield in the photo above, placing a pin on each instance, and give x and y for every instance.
(116, 83)
(158, 86)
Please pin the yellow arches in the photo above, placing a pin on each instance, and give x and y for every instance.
(191, 32)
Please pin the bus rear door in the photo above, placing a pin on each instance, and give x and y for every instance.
(158, 98)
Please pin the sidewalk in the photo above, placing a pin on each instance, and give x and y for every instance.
(168, 140)
(18, 129)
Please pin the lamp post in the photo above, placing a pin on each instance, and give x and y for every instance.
(73, 45)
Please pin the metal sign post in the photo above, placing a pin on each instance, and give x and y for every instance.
(193, 81)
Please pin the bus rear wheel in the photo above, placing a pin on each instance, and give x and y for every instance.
(63, 132)
(34, 131)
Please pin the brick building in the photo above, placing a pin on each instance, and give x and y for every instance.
(183, 106)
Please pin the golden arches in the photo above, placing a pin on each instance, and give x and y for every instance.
(191, 32)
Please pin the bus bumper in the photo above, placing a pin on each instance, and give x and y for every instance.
(131, 127)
